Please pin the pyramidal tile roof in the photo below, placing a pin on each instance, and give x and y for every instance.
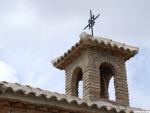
(86, 40)
(15, 91)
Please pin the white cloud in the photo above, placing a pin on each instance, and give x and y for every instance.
(7, 73)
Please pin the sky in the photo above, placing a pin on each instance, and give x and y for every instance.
(34, 32)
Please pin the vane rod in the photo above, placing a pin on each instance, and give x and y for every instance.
(91, 22)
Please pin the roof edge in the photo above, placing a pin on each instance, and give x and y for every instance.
(87, 39)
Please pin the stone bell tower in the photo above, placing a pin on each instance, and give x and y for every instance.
(95, 60)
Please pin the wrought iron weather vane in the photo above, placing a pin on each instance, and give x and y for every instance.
(91, 22)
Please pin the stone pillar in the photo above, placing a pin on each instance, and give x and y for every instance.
(91, 77)
(68, 82)
(121, 86)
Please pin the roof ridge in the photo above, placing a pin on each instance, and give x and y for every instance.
(6, 85)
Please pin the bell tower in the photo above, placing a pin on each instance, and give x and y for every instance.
(95, 60)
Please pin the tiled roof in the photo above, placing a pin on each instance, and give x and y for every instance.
(87, 40)
(27, 91)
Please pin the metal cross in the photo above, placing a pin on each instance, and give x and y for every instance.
(91, 22)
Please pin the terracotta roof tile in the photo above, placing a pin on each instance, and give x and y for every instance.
(26, 91)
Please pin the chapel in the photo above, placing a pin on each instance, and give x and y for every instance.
(93, 60)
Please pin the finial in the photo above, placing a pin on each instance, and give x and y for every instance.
(91, 22)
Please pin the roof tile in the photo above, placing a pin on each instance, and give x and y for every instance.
(37, 93)
(86, 39)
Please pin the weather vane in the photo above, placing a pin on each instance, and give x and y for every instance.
(91, 21)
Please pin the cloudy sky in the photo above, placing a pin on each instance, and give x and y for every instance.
(34, 32)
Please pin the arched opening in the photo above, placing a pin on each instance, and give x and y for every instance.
(106, 73)
(77, 82)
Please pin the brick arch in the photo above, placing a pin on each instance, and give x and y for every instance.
(120, 79)
(77, 76)
(107, 71)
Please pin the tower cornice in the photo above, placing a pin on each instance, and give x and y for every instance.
(102, 44)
